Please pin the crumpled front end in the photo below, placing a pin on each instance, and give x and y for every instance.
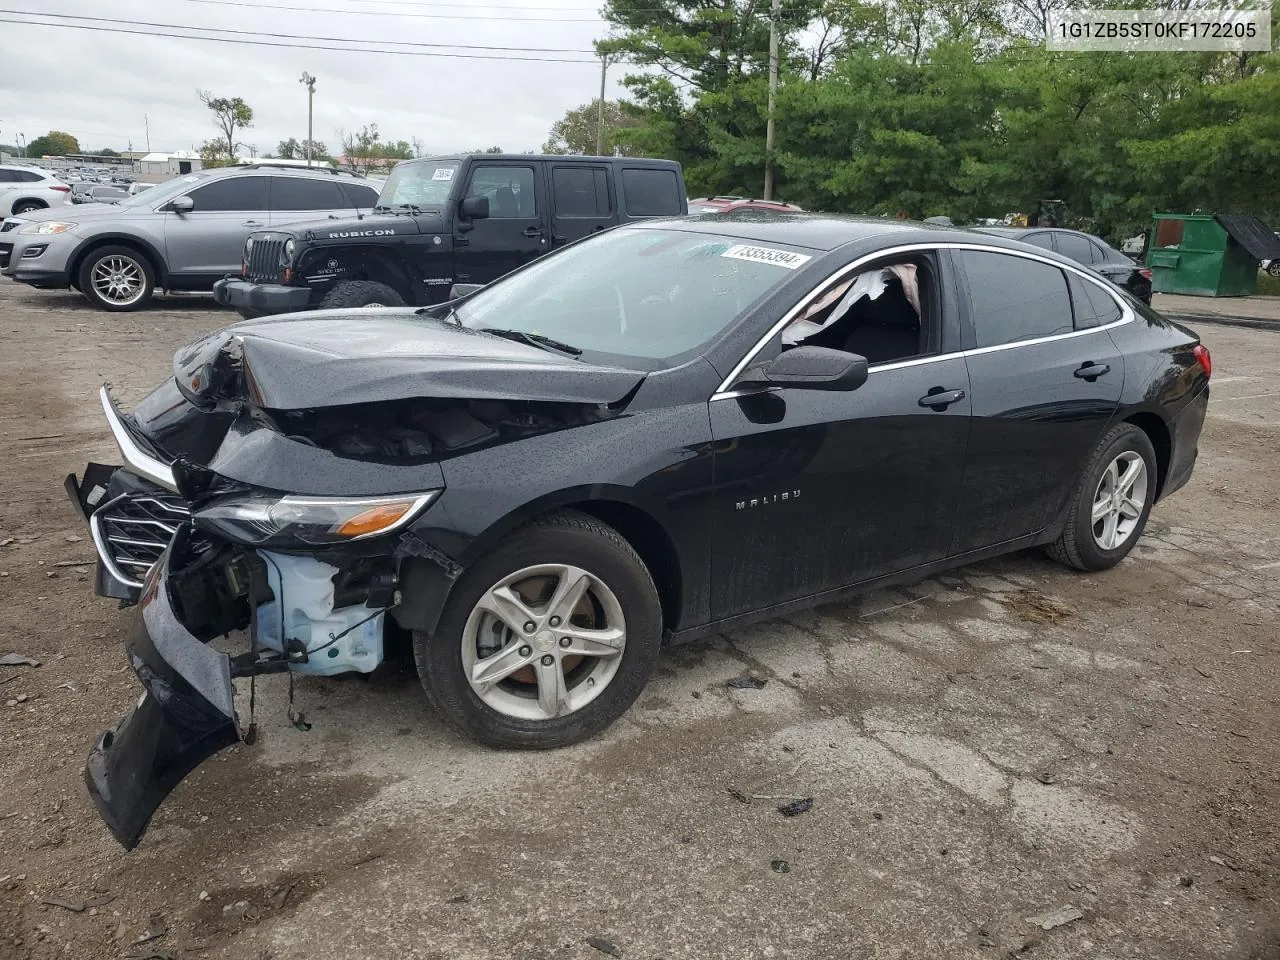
(186, 714)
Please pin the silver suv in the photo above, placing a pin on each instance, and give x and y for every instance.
(183, 235)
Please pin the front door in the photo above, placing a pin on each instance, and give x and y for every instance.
(816, 490)
(207, 242)
(1045, 385)
(515, 230)
(581, 201)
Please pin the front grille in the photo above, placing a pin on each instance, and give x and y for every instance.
(6, 250)
(132, 531)
(264, 258)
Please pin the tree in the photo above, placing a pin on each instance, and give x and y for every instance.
(55, 143)
(107, 152)
(213, 153)
(229, 114)
(575, 132)
(291, 149)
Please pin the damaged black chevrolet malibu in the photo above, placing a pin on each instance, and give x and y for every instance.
(662, 431)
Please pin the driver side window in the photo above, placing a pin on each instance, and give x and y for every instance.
(886, 312)
(509, 189)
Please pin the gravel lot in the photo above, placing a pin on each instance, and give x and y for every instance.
(981, 747)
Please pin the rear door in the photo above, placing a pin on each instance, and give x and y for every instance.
(1044, 389)
(582, 201)
(8, 183)
(206, 244)
(516, 230)
(295, 199)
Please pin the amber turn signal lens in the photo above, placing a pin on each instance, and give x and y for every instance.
(374, 519)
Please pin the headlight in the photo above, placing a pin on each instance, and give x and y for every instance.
(269, 520)
(248, 246)
(46, 227)
(287, 254)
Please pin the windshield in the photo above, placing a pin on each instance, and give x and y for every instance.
(635, 294)
(162, 192)
(425, 184)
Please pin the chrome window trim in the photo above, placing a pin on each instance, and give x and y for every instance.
(725, 391)
(137, 459)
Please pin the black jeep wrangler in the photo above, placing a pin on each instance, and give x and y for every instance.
(446, 221)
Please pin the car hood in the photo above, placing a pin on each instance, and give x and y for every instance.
(368, 228)
(341, 357)
(69, 212)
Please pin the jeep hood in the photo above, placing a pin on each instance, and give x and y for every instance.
(343, 357)
(372, 227)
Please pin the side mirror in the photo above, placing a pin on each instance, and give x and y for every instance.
(460, 290)
(814, 368)
(474, 208)
(182, 205)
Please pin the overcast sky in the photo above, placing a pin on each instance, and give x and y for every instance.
(98, 85)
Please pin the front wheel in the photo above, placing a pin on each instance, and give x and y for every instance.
(360, 293)
(117, 279)
(547, 640)
(1273, 268)
(1111, 503)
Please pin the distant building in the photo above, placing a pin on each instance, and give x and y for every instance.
(155, 167)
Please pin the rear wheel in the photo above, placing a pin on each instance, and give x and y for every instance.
(1273, 268)
(360, 293)
(27, 206)
(547, 640)
(1111, 503)
(117, 278)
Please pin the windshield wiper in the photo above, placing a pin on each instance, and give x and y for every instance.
(383, 208)
(534, 340)
(411, 207)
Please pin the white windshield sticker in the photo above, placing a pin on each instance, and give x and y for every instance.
(443, 173)
(779, 258)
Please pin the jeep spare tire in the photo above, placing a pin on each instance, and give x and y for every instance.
(361, 293)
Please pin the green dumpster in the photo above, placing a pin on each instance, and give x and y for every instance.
(1208, 255)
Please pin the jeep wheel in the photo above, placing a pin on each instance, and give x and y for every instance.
(361, 293)
(117, 278)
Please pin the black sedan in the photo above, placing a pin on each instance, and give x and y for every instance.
(655, 434)
(1084, 248)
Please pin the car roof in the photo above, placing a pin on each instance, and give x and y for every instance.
(817, 231)
(1014, 233)
(556, 157)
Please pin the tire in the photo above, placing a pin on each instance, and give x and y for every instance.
(512, 712)
(1086, 544)
(1273, 268)
(126, 262)
(361, 293)
(26, 206)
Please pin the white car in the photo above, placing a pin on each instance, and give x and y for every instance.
(24, 189)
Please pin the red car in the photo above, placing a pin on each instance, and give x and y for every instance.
(734, 204)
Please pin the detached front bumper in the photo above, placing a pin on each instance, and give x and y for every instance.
(266, 298)
(186, 715)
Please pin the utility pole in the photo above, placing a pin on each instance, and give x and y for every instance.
(146, 120)
(604, 67)
(308, 81)
(774, 14)
(22, 149)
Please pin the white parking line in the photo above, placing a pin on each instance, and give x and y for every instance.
(1219, 381)
(1268, 566)
(1252, 396)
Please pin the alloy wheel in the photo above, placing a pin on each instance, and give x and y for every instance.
(543, 642)
(119, 280)
(1119, 500)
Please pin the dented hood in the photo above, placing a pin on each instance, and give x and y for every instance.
(340, 357)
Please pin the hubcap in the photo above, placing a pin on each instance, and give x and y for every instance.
(1119, 499)
(549, 671)
(119, 280)
(374, 306)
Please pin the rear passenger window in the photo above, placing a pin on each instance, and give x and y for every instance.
(27, 176)
(1093, 306)
(1076, 247)
(651, 193)
(1013, 298)
(299, 193)
(1041, 240)
(581, 191)
(359, 195)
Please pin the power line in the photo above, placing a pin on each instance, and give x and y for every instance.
(298, 46)
(391, 13)
(290, 36)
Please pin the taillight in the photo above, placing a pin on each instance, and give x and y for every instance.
(60, 187)
(1144, 273)
(1201, 353)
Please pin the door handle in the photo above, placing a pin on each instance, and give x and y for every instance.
(940, 399)
(1092, 371)
(532, 232)
(252, 223)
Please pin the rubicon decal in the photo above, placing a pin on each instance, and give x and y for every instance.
(359, 233)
